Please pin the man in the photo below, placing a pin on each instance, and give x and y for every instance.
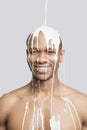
(45, 103)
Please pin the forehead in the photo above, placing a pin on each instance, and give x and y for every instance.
(44, 36)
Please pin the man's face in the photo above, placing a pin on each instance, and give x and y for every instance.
(42, 57)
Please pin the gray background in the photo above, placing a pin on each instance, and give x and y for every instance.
(19, 17)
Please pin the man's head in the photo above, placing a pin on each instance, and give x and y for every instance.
(44, 52)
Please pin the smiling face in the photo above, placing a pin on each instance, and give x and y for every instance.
(42, 56)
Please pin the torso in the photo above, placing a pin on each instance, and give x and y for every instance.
(35, 114)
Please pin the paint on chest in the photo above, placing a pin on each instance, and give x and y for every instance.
(31, 117)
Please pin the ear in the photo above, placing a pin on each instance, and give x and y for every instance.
(27, 51)
(61, 55)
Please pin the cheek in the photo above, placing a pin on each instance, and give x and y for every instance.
(54, 59)
(30, 59)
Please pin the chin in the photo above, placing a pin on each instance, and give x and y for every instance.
(42, 78)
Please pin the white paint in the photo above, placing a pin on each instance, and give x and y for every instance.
(42, 119)
(49, 33)
(46, 3)
(69, 105)
(32, 127)
(25, 114)
(55, 123)
(37, 119)
(65, 110)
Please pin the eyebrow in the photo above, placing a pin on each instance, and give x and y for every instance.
(33, 48)
(48, 49)
(51, 48)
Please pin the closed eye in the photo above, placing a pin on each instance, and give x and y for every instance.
(33, 51)
(51, 51)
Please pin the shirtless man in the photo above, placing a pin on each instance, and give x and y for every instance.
(45, 103)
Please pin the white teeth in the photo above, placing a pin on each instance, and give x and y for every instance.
(42, 69)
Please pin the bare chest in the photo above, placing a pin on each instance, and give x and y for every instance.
(59, 115)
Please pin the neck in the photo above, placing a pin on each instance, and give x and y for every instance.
(46, 86)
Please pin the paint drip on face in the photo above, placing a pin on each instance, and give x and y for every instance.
(49, 34)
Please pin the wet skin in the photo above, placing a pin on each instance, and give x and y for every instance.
(42, 59)
(44, 86)
(13, 105)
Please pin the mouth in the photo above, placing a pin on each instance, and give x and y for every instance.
(41, 69)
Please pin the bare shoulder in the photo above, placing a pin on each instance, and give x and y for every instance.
(79, 99)
(78, 96)
(9, 100)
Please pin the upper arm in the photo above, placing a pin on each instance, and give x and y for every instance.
(2, 123)
(80, 101)
(7, 102)
(3, 113)
(84, 113)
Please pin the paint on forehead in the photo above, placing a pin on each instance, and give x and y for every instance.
(49, 33)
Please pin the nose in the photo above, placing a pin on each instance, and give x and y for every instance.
(42, 58)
